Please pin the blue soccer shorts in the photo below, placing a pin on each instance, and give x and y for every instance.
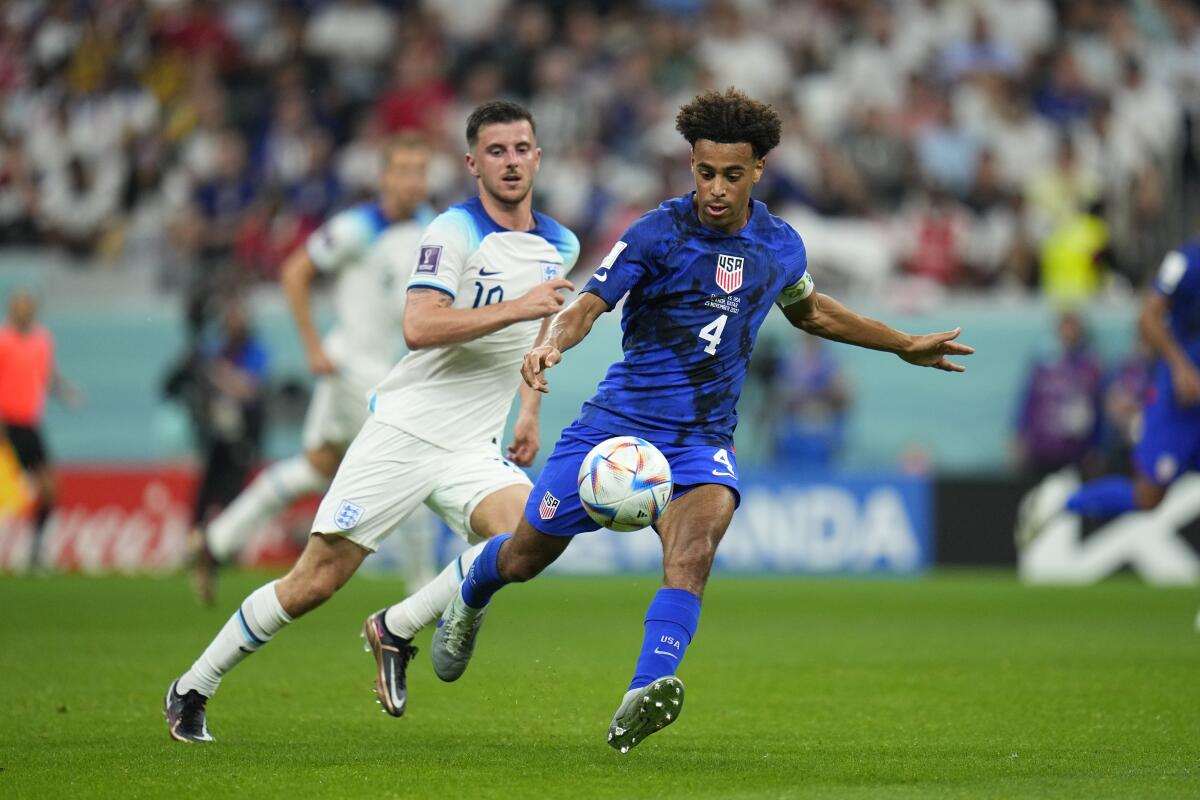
(554, 508)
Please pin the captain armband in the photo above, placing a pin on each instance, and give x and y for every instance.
(800, 290)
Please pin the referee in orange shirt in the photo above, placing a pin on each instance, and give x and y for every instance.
(27, 375)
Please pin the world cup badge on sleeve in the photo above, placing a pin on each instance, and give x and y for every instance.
(431, 254)
(729, 272)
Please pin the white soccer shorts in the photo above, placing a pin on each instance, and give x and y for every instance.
(387, 473)
(336, 412)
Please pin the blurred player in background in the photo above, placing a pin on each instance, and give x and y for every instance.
(1169, 323)
(27, 375)
(369, 250)
(701, 273)
(487, 275)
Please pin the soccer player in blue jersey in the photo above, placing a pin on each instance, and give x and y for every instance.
(1170, 444)
(700, 274)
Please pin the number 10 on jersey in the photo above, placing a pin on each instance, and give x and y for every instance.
(711, 333)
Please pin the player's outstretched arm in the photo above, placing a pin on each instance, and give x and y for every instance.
(566, 330)
(821, 315)
(297, 278)
(430, 321)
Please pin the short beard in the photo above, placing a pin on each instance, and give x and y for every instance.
(503, 200)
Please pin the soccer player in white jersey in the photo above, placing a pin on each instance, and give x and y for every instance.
(368, 250)
(488, 274)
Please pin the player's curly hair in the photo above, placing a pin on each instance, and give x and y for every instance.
(729, 117)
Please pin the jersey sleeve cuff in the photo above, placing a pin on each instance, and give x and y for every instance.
(431, 285)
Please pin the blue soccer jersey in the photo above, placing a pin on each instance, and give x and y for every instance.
(1170, 441)
(696, 299)
(1178, 280)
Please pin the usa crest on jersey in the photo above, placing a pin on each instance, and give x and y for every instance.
(548, 506)
(729, 272)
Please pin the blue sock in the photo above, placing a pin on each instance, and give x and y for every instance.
(671, 624)
(483, 579)
(1104, 497)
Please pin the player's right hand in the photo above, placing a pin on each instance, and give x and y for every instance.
(537, 361)
(1187, 385)
(543, 300)
(320, 364)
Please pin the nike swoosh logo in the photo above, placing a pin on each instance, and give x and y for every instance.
(665, 653)
(723, 474)
(484, 273)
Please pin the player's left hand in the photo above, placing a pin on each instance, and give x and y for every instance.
(526, 441)
(931, 350)
(534, 367)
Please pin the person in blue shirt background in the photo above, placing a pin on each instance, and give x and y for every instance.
(699, 275)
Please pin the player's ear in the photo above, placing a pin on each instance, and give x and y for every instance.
(470, 159)
(537, 159)
(758, 168)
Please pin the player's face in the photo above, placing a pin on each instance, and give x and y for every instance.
(404, 183)
(22, 310)
(505, 159)
(725, 173)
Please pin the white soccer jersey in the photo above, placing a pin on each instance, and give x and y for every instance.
(371, 259)
(459, 396)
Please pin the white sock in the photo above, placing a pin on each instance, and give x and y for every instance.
(417, 539)
(259, 617)
(275, 487)
(427, 604)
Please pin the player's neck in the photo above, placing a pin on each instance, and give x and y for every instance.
(395, 210)
(513, 216)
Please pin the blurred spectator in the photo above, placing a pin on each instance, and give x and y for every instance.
(222, 382)
(1125, 399)
(1059, 421)
(878, 99)
(357, 36)
(1075, 256)
(937, 227)
(420, 94)
(808, 400)
(1055, 195)
(80, 203)
(18, 194)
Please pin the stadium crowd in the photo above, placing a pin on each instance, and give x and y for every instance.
(1016, 143)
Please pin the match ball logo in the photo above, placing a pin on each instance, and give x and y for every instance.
(729, 273)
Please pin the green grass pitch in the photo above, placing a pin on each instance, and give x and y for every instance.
(957, 685)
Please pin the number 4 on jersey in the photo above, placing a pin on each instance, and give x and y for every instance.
(711, 333)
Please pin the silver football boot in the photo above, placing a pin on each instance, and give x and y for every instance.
(644, 711)
(454, 639)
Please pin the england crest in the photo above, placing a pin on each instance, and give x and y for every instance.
(548, 506)
(729, 273)
(347, 515)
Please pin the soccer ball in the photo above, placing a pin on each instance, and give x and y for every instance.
(625, 483)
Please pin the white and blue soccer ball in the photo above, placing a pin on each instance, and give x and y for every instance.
(625, 483)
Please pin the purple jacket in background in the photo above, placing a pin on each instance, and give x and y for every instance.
(1060, 414)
